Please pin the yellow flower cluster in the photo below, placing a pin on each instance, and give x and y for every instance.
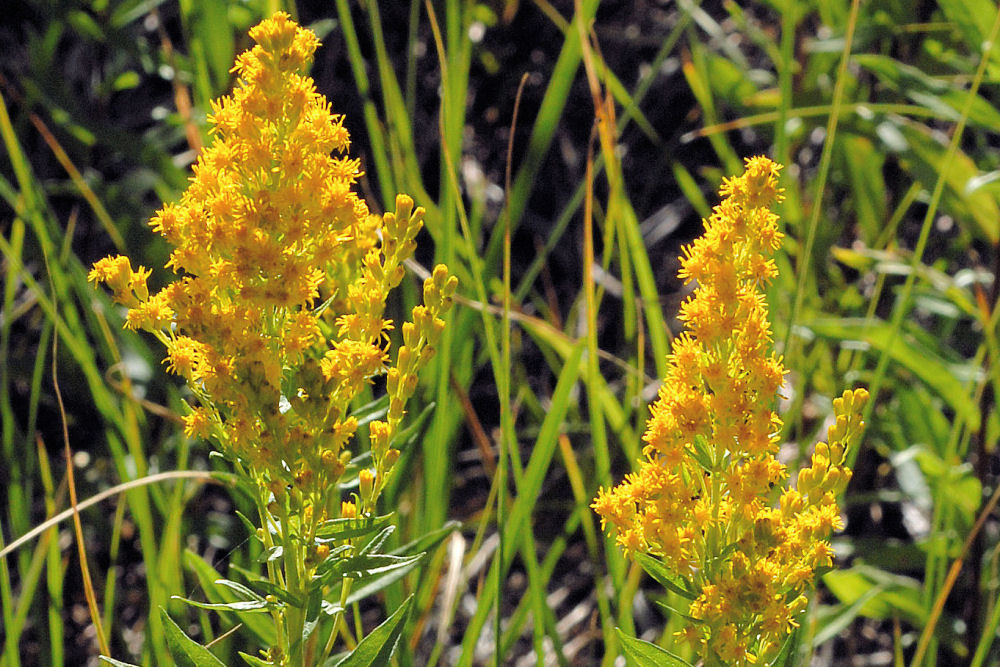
(705, 498)
(278, 319)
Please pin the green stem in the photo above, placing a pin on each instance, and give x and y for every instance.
(824, 169)
(273, 574)
(345, 591)
(291, 558)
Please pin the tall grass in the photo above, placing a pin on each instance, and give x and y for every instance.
(884, 114)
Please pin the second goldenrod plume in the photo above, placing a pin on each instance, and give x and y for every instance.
(703, 501)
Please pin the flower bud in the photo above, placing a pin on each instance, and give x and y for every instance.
(366, 482)
(390, 459)
(380, 433)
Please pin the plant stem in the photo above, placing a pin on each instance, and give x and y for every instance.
(292, 560)
(273, 574)
(345, 591)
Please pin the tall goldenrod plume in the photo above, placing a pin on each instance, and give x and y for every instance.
(277, 321)
(710, 500)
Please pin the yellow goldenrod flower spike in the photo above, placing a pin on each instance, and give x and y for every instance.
(277, 320)
(702, 501)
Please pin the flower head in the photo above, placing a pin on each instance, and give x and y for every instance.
(702, 500)
(277, 320)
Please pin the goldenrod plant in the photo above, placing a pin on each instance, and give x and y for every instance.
(277, 321)
(709, 512)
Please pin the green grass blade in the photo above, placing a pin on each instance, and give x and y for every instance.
(543, 130)
(538, 464)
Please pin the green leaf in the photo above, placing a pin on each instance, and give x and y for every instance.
(259, 626)
(377, 647)
(953, 289)
(417, 549)
(428, 541)
(375, 544)
(897, 595)
(248, 524)
(790, 648)
(239, 605)
(955, 484)
(211, 29)
(658, 571)
(370, 585)
(832, 624)
(314, 605)
(645, 654)
(346, 529)
(701, 453)
(254, 661)
(547, 120)
(116, 663)
(126, 81)
(186, 651)
(925, 158)
(369, 412)
(926, 91)
(864, 163)
(85, 24)
(241, 589)
(362, 568)
(685, 181)
(265, 587)
(971, 18)
(729, 81)
(365, 567)
(273, 553)
(408, 435)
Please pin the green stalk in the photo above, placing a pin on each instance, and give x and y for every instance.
(273, 574)
(291, 559)
(805, 255)
(345, 593)
(53, 569)
(789, 21)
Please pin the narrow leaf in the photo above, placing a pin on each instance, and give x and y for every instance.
(365, 567)
(377, 647)
(376, 542)
(428, 541)
(925, 90)
(374, 584)
(260, 626)
(346, 529)
(925, 158)
(239, 605)
(116, 663)
(254, 661)
(658, 571)
(186, 651)
(645, 654)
